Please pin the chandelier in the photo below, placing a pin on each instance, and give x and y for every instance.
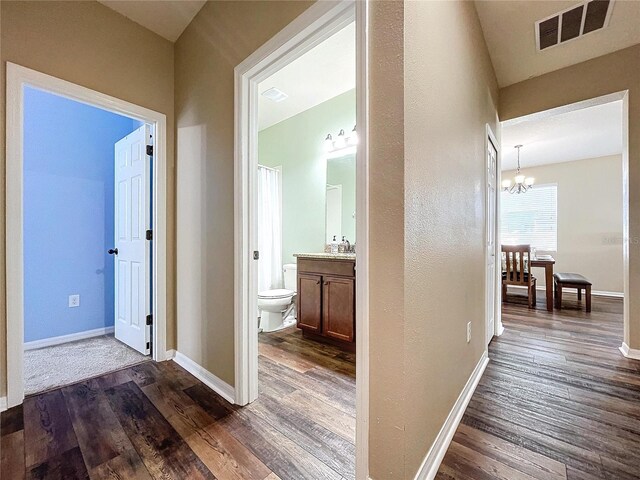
(520, 184)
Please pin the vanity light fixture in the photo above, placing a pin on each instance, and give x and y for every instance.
(341, 142)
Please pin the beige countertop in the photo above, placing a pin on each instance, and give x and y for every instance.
(327, 256)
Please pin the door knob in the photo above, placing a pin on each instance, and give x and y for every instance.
(112, 251)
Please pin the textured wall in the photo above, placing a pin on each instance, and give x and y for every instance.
(221, 35)
(91, 45)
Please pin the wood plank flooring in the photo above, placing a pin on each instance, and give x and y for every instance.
(557, 400)
(156, 421)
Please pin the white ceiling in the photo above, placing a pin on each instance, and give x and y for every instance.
(587, 133)
(324, 72)
(509, 31)
(167, 18)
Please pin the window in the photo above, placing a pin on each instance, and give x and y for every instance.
(531, 218)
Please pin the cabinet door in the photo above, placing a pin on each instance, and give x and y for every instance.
(338, 309)
(310, 302)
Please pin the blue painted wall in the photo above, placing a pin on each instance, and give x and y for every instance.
(68, 214)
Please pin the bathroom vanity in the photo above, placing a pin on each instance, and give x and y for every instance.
(326, 298)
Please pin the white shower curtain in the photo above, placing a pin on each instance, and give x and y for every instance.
(269, 229)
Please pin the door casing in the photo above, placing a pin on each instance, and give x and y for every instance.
(17, 78)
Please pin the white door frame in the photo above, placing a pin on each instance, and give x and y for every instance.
(498, 329)
(315, 25)
(17, 78)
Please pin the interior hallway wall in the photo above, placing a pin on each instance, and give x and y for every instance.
(617, 72)
(589, 218)
(221, 35)
(297, 144)
(91, 45)
(68, 214)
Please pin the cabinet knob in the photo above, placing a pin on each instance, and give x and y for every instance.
(318, 282)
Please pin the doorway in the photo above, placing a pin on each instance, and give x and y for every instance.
(124, 201)
(318, 23)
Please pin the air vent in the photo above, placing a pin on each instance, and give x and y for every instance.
(275, 94)
(573, 23)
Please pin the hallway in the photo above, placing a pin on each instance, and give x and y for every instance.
(557, 400)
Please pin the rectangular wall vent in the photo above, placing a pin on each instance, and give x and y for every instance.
(573, 23)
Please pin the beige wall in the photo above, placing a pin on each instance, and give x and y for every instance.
(618, 71)
(431, 57)
(93, 46)
(589, 218)
(221, 35)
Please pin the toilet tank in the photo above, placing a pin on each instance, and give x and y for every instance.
(290, 276)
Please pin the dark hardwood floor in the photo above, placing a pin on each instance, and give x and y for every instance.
(557, 400)
(156, 421)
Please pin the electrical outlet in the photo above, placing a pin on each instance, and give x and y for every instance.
(74, 301)
(468, 332)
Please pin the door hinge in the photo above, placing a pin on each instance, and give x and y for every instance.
(149, 234)
(150, 150)
(256, 255)
(149, 345)
(149, 319)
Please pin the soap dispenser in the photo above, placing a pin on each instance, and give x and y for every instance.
(342, 247)
(334, 245)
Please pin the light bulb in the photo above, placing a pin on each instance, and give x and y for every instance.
(353, 139)
(519, 179)
(529, 181)
(506, 183)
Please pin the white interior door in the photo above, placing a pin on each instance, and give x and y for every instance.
(132, 249)
(492, 174)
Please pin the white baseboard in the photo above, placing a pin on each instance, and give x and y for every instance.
(3, 404)
(431, 462)
(48, 342)
(632, 353)
(170, 355)
(595, 293)
(222, 388)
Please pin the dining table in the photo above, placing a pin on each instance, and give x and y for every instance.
(547, 262)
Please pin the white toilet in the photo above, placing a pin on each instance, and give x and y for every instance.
(276, 307)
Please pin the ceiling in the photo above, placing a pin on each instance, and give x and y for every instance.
(322, 73)
(167, 18)
(587, 133)
(509, 30)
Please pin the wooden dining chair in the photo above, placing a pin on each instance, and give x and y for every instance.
(516, 270)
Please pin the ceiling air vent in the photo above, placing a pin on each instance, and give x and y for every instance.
(572, 23)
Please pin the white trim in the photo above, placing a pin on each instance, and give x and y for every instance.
(316, 24)
(219, 386)
(497, 309)
(3, 404)
(72, 337)
(632, 353)
(431, 462)
(17, 78)
(170, 355)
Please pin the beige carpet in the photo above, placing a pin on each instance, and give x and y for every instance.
(52, 367)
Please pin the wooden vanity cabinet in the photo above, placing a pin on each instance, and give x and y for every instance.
(326, 300)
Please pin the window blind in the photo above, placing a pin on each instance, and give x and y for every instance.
(531, 217)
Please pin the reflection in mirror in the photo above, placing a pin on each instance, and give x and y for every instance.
(341, 198)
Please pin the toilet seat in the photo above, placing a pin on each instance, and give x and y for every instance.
(276, 294)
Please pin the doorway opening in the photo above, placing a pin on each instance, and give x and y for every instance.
(83, 263)
(564, 217)
(322, 294)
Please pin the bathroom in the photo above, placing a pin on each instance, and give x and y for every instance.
(306, 196)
